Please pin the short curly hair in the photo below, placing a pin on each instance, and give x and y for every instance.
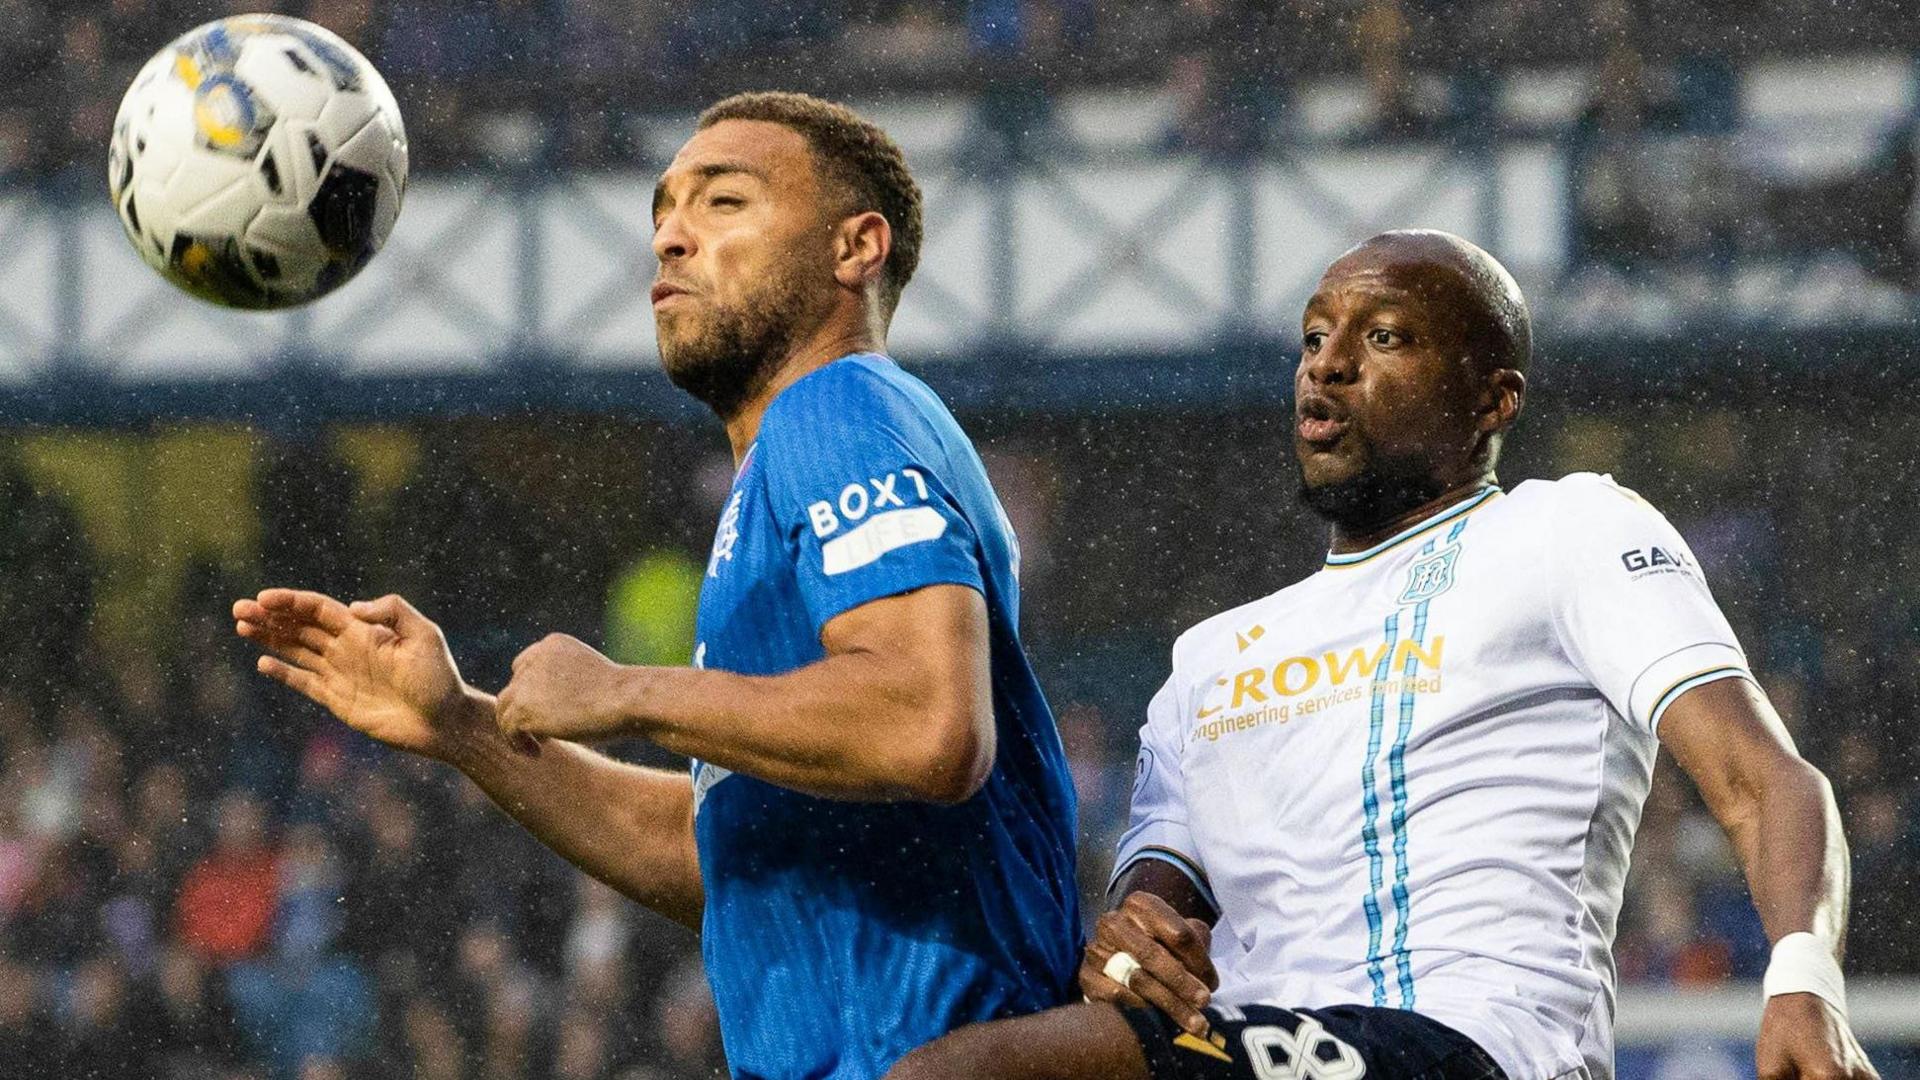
(855, 156)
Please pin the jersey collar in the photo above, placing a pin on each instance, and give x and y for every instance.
(1465, 506)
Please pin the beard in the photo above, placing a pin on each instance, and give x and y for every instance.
(728, 356)
(1381, 489)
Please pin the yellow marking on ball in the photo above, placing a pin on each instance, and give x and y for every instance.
(193, 261)
(185, 66)
(221, 131)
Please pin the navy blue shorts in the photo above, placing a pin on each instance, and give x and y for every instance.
(1344, 1042)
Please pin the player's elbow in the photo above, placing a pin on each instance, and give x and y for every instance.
(1784, 779)
(1812, 785)
(1787, 786)
(950, 760)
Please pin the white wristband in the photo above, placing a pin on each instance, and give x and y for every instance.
(1804, 964)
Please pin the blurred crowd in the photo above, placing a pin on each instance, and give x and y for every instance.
(201, 877)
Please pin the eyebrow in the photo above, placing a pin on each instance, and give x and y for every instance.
(708, 172)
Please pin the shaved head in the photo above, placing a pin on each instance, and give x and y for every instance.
(1492, 314)
(1413, 353)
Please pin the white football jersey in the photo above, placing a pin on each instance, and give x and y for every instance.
(1412, 779)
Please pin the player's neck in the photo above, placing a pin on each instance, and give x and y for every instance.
(1346, 540)
(829, 344)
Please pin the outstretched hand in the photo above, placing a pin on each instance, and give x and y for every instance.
(379, 665)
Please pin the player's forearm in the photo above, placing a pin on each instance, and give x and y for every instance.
(628, 826)
(1788, 836)
(846, 727)
(1777, 809)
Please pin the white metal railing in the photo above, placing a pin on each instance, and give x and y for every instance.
(1883, 1010)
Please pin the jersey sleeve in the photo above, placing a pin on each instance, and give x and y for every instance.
(1157, 824)
(858, 483)
(1631, 605)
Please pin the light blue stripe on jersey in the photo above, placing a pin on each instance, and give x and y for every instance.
(1397, 777)
(1370, 802)
(1397, 781)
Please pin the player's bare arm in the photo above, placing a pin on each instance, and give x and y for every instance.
(1780, 814)
(384, 669)
(1073, 1042)
(899, 709)
(1158, 916)
(1161, 920)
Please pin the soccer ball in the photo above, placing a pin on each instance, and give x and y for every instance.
(258, 162)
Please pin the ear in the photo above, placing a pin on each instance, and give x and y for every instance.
(1501, 398)
(861, 244)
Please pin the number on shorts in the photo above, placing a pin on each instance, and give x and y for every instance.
(1300, 1054)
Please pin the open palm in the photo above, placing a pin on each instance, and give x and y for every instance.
(379, 665)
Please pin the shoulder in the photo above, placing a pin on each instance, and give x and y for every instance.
(857, 418)
(1584, 491)
(858, 391)
(1604, 511)
(1589, 525)
(1575, 504)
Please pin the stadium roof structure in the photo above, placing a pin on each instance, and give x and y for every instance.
(1088, 270)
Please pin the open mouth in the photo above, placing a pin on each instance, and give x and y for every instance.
(1319, 422)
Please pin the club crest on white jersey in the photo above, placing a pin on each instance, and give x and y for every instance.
(1431, 576)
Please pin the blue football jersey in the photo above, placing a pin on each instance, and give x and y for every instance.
(839, 935)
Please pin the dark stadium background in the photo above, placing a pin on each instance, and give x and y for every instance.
(200, 877)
